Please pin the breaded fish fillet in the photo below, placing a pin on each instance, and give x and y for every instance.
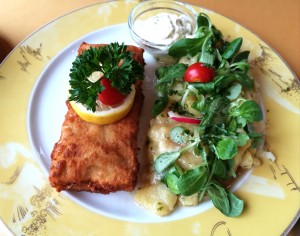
(98, 158)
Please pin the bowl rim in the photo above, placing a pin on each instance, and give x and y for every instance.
(146, 42)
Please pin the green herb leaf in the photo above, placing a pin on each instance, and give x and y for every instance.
(114, 61)
(192, 181)
(179, 135)
(226, 149)
(203, 20)
(257, 139)
(219, 198)
(171, 181)
(232, 48)
(208, 52)
(236, 205)
(186, 46)
(166, 74)
(222, 82)
(216, 111)
(165, 160)
(171, 178)
(234, 91)
(241, 56)
(199, 150)
(159, 105)
(199, 104)
(220, 169)
(225, 201)
(241, 139)
(230, 164)
(204, 88)
(248, 110)
(241, 121)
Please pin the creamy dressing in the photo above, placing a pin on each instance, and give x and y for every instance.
(164, 28)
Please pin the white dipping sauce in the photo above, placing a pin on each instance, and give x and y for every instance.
(164, 28)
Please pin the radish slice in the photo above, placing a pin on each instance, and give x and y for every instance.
(183, 119)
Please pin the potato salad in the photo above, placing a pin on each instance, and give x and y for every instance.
(204, 126)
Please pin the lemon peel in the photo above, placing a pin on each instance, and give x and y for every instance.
(106, 116)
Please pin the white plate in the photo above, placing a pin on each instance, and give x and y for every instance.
(30, 206)
(46, 113)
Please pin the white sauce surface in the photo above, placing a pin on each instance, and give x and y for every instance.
(164, 28)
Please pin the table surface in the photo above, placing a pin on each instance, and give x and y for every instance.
(277, 22)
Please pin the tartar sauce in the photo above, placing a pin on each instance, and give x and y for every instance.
(164, 28)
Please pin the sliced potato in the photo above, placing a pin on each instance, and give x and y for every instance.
(192, 200)
(156, 198)
(239, 155)
(247, 160)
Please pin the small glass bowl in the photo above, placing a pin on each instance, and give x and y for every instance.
(147, 9)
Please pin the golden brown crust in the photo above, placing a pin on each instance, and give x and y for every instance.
(97, 158)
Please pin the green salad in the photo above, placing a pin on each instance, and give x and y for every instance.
(206, 101)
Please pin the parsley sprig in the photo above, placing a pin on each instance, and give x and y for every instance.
(114, 61)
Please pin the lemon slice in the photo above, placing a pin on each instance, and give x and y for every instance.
(106, 116)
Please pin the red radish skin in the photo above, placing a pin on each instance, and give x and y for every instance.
(183, 119)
